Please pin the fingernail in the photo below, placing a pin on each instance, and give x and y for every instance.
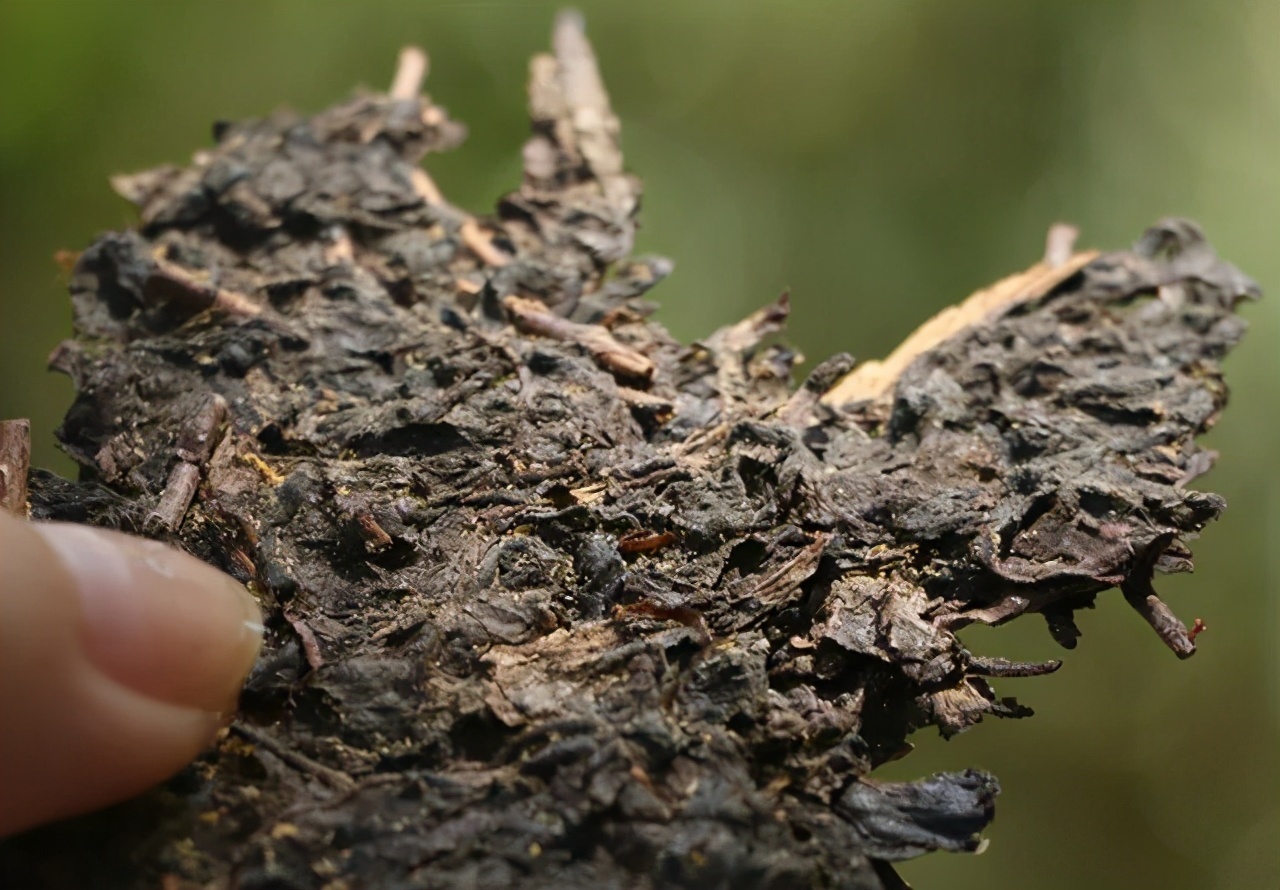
(158, 620)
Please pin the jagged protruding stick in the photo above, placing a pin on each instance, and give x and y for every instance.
(15, 462)
(411, 71)
(595, 126)
(573, 164)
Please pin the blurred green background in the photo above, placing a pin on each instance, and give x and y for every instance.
(881, 159)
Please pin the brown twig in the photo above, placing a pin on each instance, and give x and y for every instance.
(1141, 595)
(196, 441)
(198, 437)
(375, 537)
(310, 645)
(176, 498)
(15, 464)
(170, 282)
(533, 317)
(478, 243)
(686, 615)
(646, 401)
(335, 779)
(639, 541)
(984, 666)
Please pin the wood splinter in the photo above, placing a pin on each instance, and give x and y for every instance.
(1060, 244)
(875, 380)
(411, 71)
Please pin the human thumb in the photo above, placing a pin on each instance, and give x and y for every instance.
(118, 658)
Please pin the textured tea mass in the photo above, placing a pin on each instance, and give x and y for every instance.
(553, 600)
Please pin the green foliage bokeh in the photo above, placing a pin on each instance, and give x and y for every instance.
(881, 159)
